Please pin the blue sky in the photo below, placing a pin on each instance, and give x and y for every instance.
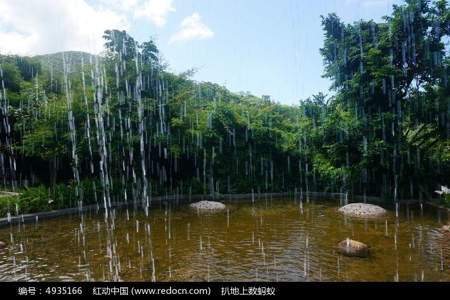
(266, 47)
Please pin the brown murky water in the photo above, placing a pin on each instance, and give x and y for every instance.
(266, 241)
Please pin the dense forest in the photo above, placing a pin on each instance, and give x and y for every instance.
(78, 128)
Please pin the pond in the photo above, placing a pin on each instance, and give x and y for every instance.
(268, 240)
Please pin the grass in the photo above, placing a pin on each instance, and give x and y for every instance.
(29, 200)
(446, 200)
(41, 199)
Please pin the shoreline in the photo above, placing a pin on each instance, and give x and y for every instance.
(179, 199)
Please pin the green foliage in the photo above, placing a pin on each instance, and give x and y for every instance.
(446, 200)
(33, 199)
(10, 74)
(392, 76)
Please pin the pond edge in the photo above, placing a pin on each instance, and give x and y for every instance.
(34, 217)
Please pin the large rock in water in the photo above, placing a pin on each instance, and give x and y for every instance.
(363, 210)
(2, 245)
(208, 206)
(352, 248)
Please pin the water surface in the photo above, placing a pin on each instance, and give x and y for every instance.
(269, 240)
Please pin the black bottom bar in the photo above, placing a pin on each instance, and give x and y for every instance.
(32, 290)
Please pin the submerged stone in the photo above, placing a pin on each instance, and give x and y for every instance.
(208, 206)
(362, 210)
(353, 248)
(2, 245)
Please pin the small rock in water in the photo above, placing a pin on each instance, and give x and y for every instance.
(445, 229)
(362, 210)
(353, 248)
(2, 245)
(208, 206)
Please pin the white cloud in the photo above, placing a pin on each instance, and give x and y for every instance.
(124, 5)
(192, 28)
(156, 11)
(45, 26)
